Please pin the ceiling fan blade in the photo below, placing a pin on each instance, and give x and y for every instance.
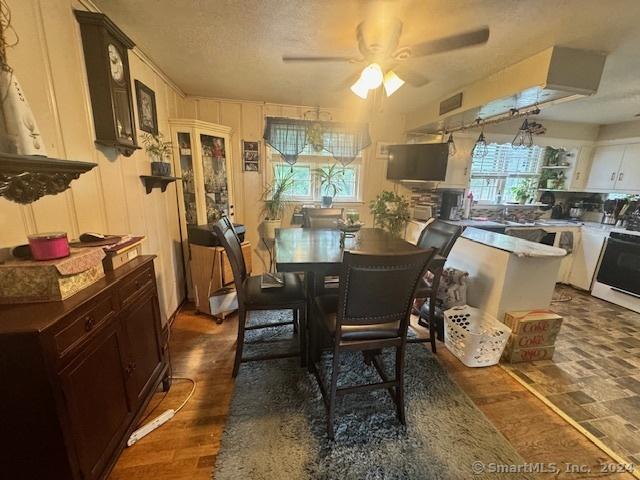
(309, 58)
(412, 77)
(454, 42)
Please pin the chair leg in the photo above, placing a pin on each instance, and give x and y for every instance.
(432, 334)
(400, 383)
(332, 392)
(242, 317)
(303, 336)
(296, 320)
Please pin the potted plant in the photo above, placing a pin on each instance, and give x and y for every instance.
(274, 198)
(548, 179)
(331, 181)
(522, 191)
(390, 212)
(159, 151)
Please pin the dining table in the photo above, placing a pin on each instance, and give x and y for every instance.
(318, 253)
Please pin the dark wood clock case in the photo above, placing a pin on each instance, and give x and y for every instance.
(111, 100)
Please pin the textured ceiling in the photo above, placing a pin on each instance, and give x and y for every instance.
(233, 48)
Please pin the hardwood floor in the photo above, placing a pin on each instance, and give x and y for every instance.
(186, 447)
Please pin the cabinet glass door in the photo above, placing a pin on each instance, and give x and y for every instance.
(188, 179)
(214, 167)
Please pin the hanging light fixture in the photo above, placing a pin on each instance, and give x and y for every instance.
(452, 145)
(524, 137)
(480, 148)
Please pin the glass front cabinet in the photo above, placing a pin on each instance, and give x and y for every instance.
(203, 158)
(203, 154)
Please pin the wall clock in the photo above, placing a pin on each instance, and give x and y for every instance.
(106, 58)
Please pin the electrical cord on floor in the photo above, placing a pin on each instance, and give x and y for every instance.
(143, 422)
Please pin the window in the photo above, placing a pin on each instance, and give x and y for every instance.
(306, 186)
(504, 167)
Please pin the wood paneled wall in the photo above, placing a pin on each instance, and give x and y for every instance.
(49, 63)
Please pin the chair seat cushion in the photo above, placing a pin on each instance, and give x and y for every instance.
(327, 306)
(292, 293)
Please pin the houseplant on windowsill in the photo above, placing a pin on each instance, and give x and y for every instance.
(159, 151)
(390, 212)
(274, 198)
(523, 191)
(331, 181)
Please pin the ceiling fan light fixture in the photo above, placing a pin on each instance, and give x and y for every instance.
(360, 88)
(372, 76)
(392, 82)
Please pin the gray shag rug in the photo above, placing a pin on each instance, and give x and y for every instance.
(276, 428)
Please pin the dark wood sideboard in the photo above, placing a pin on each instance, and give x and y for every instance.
(76, 375)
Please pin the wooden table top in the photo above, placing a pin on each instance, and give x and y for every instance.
(305, 249)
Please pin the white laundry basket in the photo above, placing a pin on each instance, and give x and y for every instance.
(474, 336)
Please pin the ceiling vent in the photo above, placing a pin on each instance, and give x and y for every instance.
(555, 75)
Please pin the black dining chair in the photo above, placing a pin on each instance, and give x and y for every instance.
(321, 217)
(370, 312)
(252, 297)
(440, 236)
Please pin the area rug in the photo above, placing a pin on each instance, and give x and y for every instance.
(276, 427)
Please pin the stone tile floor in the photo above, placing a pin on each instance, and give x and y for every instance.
(594, 375)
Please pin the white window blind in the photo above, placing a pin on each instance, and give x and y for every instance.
(494, 175)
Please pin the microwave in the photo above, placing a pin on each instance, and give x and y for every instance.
(422, 212)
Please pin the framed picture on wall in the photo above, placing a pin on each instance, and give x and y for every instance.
(251, 156)
(147, 112)
(382, 149)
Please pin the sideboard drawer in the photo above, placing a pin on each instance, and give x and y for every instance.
(131, 287)
(85, 322)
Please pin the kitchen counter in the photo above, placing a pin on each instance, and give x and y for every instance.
(506, 273)
(492, 224)
(476, 223)
(517, 246)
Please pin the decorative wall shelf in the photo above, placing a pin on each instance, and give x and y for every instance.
(25, 178)
(556, 166)
(156, 181)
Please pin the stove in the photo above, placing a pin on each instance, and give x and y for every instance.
(618, 277)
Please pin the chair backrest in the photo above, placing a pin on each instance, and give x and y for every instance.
(321, 217)
(439, 235)
(377, 289)
(231, 243)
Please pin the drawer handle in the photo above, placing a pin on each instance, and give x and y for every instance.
(89, 323)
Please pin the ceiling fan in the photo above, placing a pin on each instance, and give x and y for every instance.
(379, 46)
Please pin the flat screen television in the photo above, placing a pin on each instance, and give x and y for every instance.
(418, 162)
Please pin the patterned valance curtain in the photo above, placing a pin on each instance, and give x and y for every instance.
(345, 141)
(289, 137)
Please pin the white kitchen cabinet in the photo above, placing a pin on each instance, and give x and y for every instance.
(628, 178)
(605, 167)
(578, 174)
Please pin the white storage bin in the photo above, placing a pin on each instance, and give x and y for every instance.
(475, 337)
